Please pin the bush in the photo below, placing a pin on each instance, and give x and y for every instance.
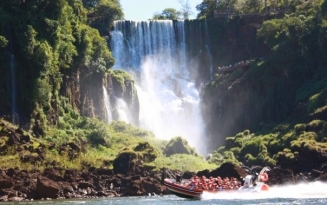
(299, 128)
(148, 153)
(252, 147)
(316, 126)
(229, 142)
(178, 145)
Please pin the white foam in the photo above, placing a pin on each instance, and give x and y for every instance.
(305, 190)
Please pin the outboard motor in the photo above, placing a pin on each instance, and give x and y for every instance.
(163, 175)
(179, 178)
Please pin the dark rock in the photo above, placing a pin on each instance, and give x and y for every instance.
(14, 138)
(25, 138)
(280, 176)
(5, 183)
(11, 172)
(188, 175)
(228, 170)
(205, 173)
(125, 163)
(53, 174)
(74, 146)
(46, 188)
(84, 185)
(92, 169)
(105, 171)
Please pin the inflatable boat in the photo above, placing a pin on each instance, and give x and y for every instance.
(194, 188)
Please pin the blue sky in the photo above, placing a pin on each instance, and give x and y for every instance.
(144, 9)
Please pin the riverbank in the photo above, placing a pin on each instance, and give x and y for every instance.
(59, 183)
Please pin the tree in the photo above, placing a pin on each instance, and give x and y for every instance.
(206, 9)
(167, 14)
(102, 13)
(186, 8)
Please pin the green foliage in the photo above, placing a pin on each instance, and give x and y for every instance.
(206, 9)
(245, 133)
(252, 147)
(317, 126)
(42, 92)
(148, 152)
(102, 13)
(299, 128)
(184, 162)
(178, 145)
(318, 100)
(3, 41)
(229, 142)
(167, 14)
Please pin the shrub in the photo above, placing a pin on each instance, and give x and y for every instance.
(229, 142)
(299, 128)
(317, 126)
(250, 160)
(246, 132)
(236, 151)
(252, 147)
(178, 145)
(148, 153)
(274, 146)
(308, 136)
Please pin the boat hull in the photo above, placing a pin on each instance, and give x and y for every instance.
(182, 191)
(188, 192)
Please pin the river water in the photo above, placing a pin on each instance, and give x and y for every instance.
(303, 194)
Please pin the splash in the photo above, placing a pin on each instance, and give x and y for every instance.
(299, 191)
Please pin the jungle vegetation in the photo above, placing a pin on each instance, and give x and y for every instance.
(53, 40)
(283, 93)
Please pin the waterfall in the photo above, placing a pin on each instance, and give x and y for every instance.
(107, 104)
(155, 53)
(14, 114)
(207, 46)
(124, 114)
(13, 89)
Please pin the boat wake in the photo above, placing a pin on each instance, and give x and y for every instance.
(305, 190)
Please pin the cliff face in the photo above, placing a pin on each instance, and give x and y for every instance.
(278, 82)
(53, 58)
(227, 104)
(87, 97)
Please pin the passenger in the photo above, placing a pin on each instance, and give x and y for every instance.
(263, 177)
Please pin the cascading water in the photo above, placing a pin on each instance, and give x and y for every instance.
(15, 116)
(154, 52)
(123, 111)
(107, 104)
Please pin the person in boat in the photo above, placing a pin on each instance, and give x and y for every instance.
(263, 177)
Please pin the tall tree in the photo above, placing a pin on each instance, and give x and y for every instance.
(101, 13)
(186, 9)
(206, 9)
(167, 14)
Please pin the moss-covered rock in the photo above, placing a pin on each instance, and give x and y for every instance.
(126, 162)
(148, 153)
(178, 145)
